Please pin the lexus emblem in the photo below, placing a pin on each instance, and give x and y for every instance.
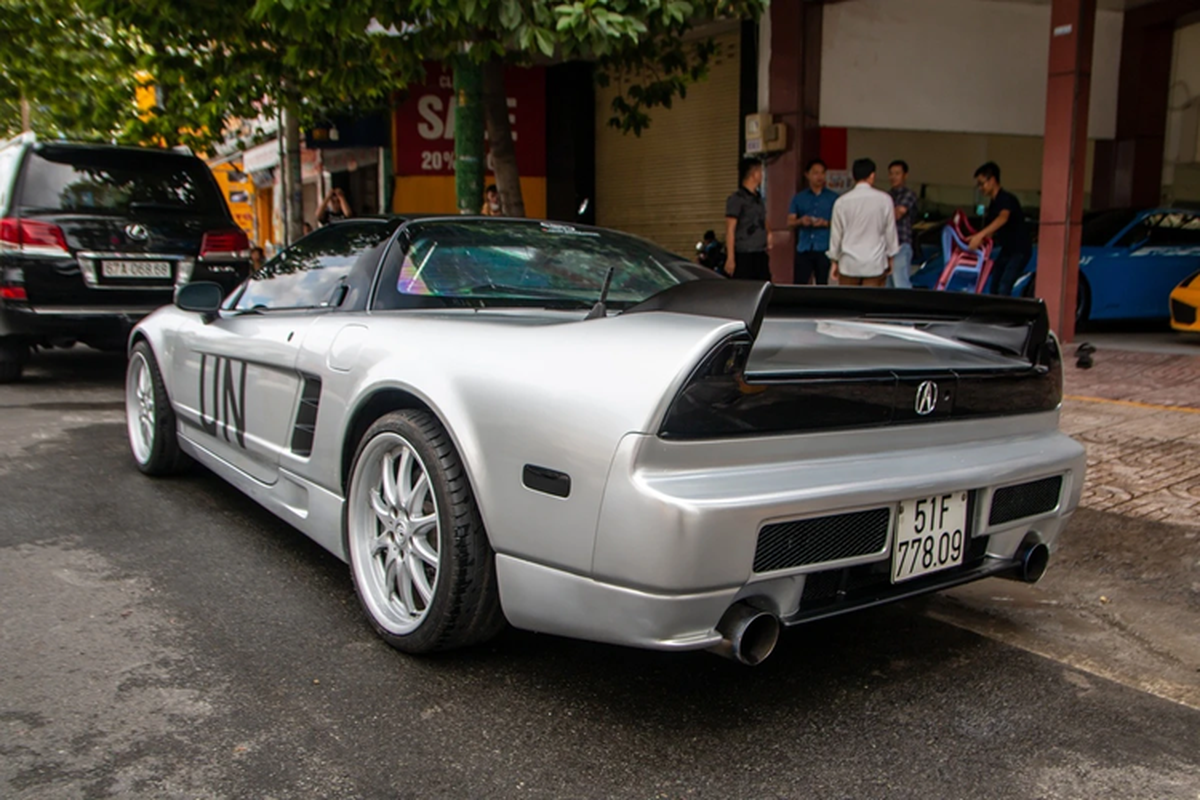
(137, 232)
(927, 397)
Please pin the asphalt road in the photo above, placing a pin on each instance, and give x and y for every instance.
(171, 639)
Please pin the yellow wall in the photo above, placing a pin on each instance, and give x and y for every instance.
(434, 194)
(243, 212)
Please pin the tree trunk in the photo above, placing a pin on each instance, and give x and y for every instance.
(293, 186)
(26, 125)
(468, 136)
(504, 153)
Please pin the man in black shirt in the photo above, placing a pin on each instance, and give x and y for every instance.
(746, 226)
(1005, 223)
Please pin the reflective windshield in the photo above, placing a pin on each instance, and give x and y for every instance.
(449, 263)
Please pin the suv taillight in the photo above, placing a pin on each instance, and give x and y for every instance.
(225, 244)
(32, 237)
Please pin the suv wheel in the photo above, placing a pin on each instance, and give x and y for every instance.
(13, 355)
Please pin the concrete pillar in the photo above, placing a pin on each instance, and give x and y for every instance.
(1128, 170)
(793, 95)
(1064, 158)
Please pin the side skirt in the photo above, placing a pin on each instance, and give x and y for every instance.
(314, 510)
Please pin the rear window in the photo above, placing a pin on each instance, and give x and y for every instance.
(518, 263)
(117, 182)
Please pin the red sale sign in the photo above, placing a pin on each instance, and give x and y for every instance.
(425, 123)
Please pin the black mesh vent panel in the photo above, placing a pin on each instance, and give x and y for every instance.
(1025, 500)
(1183, 313)
(814, 541)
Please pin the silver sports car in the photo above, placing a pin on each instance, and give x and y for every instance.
(572, 431)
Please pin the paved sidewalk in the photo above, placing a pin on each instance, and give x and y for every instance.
(1122, 597)
(1138, 414)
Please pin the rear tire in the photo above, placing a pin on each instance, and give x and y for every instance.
(149, 418)
(13, 355)
(420, 559)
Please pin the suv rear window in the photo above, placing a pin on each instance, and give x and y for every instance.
(116, 182)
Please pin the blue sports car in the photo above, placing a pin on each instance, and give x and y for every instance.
(1129, 262)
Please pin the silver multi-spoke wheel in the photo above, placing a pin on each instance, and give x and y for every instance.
(150, 417)
(419, 555)
(140, 407)
(394, 533)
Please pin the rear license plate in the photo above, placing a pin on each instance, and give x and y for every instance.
(135, 269)
(931, 535)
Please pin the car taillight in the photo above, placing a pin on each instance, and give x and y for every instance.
(13, 293)
(33, 237)
(227, 243)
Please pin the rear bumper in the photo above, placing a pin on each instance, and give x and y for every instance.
(74, 322)
(680, 522)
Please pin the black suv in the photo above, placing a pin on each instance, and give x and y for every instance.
(95, 237)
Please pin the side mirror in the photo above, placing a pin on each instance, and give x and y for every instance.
(202, 297)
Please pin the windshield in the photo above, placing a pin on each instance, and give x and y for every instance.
(1099, 228)
(121, 182)
(524, 263)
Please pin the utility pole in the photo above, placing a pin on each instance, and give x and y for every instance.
(468, 134)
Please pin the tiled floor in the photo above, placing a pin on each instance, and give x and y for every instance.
(1138, 414)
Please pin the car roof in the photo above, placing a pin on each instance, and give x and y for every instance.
(59, 146)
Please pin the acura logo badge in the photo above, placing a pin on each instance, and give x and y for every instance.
(137, 232)
(927, 397)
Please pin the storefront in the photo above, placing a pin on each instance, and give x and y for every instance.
(423, 148)
(669, 185)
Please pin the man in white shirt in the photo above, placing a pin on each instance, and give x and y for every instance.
(862, 237)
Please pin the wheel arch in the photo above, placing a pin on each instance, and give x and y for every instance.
(381, 401)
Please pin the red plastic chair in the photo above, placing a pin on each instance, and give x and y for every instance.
(961, 258)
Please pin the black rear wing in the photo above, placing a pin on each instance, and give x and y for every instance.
(1010, 325)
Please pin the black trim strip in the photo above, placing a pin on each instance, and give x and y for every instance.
(547, 481)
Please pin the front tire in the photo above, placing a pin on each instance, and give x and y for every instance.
(419, 556)
(149, 417)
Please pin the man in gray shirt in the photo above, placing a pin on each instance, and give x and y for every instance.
(746, 226)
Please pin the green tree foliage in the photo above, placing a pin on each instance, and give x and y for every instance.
(74, 70)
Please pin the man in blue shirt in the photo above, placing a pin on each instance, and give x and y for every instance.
(810, 212)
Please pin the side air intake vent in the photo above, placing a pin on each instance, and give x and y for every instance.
(1025, 500)
(784, 545)
(306, 417)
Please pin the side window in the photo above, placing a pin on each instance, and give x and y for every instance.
(1176, 229)
(306, 274)
(9, 158)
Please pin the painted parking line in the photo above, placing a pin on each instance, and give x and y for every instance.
(1131, 404)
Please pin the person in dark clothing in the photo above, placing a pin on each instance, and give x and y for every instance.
(1004, 222)
(710, 253)
(746, 226)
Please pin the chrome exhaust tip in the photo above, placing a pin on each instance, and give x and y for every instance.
(1034, 560)
(748, 634)
(1031, 561)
